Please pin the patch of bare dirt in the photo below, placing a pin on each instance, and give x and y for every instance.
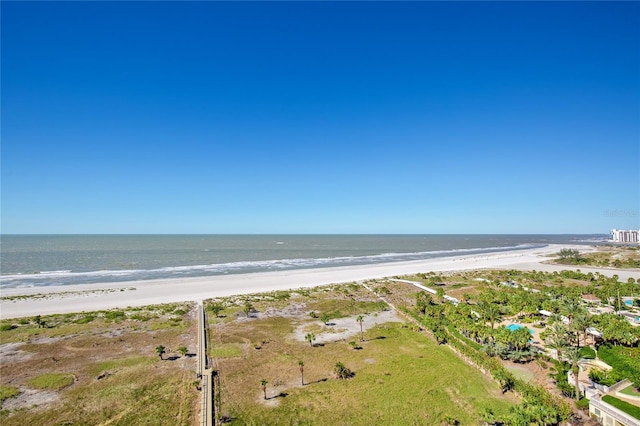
(30, 398)
(344, 328)
(10, 353)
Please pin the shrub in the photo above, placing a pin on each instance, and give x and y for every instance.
(85, 319)
(587, 352)
(7, 327)
(583, 404)
(115, 315)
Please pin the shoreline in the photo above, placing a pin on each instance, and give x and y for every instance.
(100, 296)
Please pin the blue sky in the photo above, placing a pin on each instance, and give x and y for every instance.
(417, 117)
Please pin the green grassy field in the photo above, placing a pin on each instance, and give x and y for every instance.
(404, 378)
(401, 376)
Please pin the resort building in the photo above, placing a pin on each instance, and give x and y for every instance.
(606, 413)
(591, 299)
(620, 236)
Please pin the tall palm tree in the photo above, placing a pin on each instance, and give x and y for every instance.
(579, 325)
(572, 355)
(491, 313)
(310, 337)
(301, 366)
(571, 309)
(263, 385)
(556, 337)
(360, 320)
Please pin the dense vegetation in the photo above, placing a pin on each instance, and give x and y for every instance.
(472, 327)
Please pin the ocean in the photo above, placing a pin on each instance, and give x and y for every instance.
(44, 260)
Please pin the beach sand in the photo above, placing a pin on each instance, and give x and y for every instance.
(92, 297)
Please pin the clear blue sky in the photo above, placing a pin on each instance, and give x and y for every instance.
(417, 117)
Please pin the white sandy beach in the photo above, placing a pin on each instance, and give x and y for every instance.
(91, 297)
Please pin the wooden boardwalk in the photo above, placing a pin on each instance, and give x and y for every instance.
(205, 372)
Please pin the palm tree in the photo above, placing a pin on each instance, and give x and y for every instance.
(572, 354)
(310, 337)
(504, 378)
(183, 350)
(39, 321)
(579, 325)
(491, 313)
(341, 371)
(216, 308)
(301, 366)
(556, 337)
(360, 320)
(247, 308)
(263, 385)
(325, 318)
(161, 350)
(571, 309)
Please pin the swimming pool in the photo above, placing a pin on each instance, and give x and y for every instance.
(514, 327)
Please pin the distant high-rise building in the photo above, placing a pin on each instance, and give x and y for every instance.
(620, 236)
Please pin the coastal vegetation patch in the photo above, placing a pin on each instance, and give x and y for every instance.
(607, 256)
(100, 368)
(341, 368)
(63, 294)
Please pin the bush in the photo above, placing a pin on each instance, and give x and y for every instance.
(587, 352)
(7, 327)
(583, 404)
(114, 315)
(623, 360)
(85, 319)
(606, 378)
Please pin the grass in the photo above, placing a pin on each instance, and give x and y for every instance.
(7, 392)
(136, 396)
(51, 381)
(117, 377)
(154, 317)
(394, 364)
(227, 350)
(622, 405)
(630, 390)
(123, 363)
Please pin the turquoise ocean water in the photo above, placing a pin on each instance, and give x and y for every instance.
(40, 260)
